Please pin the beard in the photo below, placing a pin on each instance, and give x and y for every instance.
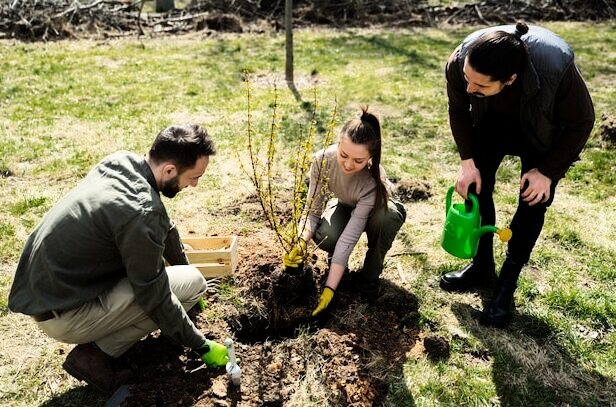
(478, 95)
(171, 188)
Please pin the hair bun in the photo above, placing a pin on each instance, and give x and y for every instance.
(364, 112)
(520, 29)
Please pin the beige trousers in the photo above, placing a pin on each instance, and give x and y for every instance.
(114, 320)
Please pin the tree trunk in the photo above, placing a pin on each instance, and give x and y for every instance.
(288, 19)
(164, 5)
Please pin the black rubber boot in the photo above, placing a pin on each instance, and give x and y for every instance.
(499, 311)
(469, 278)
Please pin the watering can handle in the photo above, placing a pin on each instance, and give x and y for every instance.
(472, 204)
(448, 200)
(471, 193)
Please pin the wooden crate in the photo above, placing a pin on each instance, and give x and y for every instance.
(213, 256)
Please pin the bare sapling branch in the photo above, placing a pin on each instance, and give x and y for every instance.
(262, 171)
(321, 170)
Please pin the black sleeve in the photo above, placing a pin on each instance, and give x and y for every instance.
(574, 115)
(460, 119)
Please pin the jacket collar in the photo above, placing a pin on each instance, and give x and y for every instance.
(149, 175)
(530, 82)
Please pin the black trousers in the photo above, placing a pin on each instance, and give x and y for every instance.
(494, 138)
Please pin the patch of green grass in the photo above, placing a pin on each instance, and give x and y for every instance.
(27, 204)
(601, 264)
(228, 292)
(596, 307)
(595, 175)
(8, 244)
(4, 298)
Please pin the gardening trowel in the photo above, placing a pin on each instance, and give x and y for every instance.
(233, 369)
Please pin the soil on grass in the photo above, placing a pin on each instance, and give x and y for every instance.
(413, 190)
(345, 357)
(607, 130)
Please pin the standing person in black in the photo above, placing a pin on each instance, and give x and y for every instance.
(513, 90)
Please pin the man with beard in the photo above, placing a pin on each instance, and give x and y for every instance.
(93, 271)
(513, 90)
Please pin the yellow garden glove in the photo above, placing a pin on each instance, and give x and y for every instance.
(326, 298)
(296, 256)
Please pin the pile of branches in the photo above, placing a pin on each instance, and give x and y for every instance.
(507, 12)
(413, 12)
(55, 19)
(46, 19)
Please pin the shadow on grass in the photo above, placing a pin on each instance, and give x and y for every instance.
(78, 397)
(531, 367)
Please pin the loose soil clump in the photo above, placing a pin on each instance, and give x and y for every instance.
(412, 190)
(437, 347)
(345, 357)
(607, 130)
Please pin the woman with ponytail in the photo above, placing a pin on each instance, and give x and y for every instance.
(351, 172)
(513, 90)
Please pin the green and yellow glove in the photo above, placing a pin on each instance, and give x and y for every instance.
(296, 256)
(326, 298)
(213, 354)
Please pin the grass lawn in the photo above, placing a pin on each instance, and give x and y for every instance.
(65, 105)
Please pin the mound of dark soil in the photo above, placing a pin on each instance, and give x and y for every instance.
(345, 357)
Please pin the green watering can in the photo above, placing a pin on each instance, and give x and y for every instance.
(463, 227)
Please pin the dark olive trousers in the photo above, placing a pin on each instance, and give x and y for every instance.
(381, 229)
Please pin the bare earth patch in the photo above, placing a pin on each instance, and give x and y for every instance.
(286, 357)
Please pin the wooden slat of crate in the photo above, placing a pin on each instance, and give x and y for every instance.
(213, 256)
(213, 269)
(210, 243)
(209, 257)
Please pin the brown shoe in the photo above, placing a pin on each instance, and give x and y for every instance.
(88, 363)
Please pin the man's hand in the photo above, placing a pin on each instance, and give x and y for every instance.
(537, 187)
(296, 256)
(326, 298)
(468, 174)
(213, 354)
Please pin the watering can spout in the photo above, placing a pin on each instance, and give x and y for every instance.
(477, 233)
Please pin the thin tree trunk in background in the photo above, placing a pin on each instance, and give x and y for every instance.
(288, 19)
(164, 5)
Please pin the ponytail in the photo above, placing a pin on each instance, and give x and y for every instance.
(367, 131)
